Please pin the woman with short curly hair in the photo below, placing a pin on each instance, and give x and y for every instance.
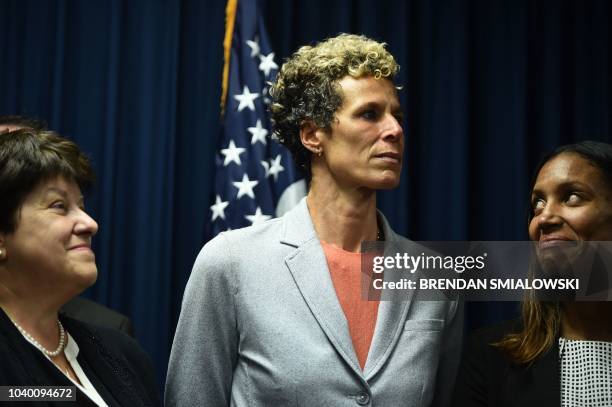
(307, 87)
(273, 314)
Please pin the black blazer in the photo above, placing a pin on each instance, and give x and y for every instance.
(119, 369)
(86, 310)
(487, 376)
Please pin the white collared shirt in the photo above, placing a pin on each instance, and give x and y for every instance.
(72, 351)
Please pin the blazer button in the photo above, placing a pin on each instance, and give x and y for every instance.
(363, 399)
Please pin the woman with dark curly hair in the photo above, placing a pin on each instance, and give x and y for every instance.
(273, 314)
(559, 353)
(45, 260)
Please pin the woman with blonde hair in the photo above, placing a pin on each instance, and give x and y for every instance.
(273, 314)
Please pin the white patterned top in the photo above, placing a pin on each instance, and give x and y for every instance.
(586, 373)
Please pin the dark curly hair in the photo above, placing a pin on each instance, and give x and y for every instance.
(306, 87)
(22, 122)
(29, 157)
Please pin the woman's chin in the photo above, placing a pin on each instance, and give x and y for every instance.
(387, 183)
(85, 277)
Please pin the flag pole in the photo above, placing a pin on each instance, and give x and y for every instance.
(230, 19)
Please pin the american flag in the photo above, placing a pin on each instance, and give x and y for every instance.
(255, 176)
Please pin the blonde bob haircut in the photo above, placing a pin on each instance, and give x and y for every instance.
(306, 87)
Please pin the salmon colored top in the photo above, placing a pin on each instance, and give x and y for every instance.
(345, 270)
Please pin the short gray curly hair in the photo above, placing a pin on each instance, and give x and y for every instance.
(306, 87)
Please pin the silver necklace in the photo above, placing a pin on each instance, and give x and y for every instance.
(51, 354)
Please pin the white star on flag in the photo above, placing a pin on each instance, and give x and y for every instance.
(266, 166)
(259, 133)
(256, 185)
(232, 153)
(254, 45)
(257, 217)
(245, 187)
(218, 209)
(275, 167)
(246, 99)
(267, 63)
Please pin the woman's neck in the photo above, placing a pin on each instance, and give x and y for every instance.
(587, 321)
(35, 317)
(343, 218)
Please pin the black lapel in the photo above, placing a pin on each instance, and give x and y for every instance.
(101, 388)
(32, 368)
(537, 385)
(546, 387)
(110, 368)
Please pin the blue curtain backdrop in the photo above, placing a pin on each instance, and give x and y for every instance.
(488, 87)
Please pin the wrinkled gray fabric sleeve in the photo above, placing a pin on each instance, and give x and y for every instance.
(450, 355)
(205, 347)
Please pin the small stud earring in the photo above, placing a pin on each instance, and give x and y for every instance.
(1, 254)
(320, 152)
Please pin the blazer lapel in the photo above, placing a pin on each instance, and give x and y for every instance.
(541, 382)
(308, 266)
(108, 368)
(392, 313)
(34, 369)
(389, 326)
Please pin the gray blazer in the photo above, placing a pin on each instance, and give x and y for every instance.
(261, 325)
